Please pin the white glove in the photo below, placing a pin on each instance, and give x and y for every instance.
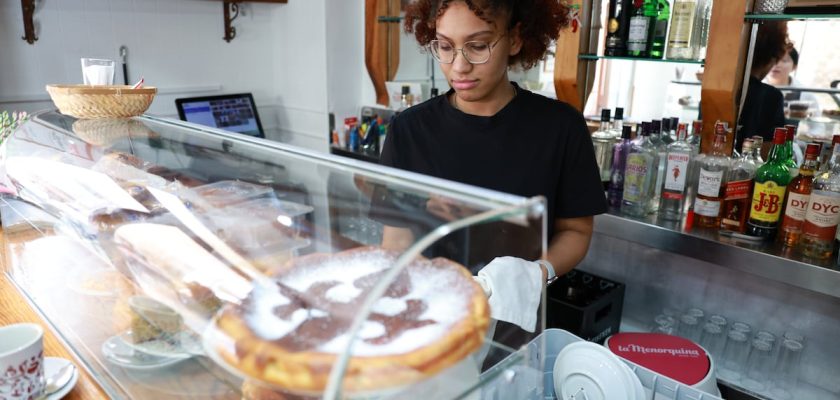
(514, 288)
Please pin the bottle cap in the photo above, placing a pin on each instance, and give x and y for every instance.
(406, 89)
(434, 92)
(747, 145)
(791, 132)
(697, 127)
(619, 113)
(675, 121)
(645, 128)
(625, 131)
(813, 149)
(666, 125)
(682, 131)
(779, 136)
(605, 115)
(656, 126)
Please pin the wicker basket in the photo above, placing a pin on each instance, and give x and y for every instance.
(90, 102)
(105, 132)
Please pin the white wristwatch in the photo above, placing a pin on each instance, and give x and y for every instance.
(549, 269)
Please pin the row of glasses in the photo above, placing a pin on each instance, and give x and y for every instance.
(756, 360)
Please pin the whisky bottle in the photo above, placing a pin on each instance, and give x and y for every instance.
(710, 183)
(799, 191)
(618, 26)
(823, 215)
(771, 180)
(739, 183)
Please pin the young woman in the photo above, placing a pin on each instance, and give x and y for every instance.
(781, 76)
(489, 132)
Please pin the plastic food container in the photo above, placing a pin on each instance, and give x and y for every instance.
(226, 193)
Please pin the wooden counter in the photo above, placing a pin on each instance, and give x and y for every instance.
(14, 308)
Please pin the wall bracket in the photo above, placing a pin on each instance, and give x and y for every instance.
(231, 12)
(28, 7)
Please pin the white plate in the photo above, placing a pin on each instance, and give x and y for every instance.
(186, 346)
(592, 369)
(51, 366)
(119, 353)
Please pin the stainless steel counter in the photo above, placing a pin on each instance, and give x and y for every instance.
(764, 259)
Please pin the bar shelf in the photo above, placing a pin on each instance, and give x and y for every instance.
(595, 57)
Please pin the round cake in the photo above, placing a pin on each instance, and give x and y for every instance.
(290, 335)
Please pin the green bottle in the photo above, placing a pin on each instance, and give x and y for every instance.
(771, 180)
(660, 29)
(641, 28)
(791, 160)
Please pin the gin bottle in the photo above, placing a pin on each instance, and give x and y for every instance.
(662, 154)
(640, 176)
(603, 141)
(620, 152)
(676, 170)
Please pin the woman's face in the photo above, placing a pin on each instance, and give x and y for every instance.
(476, 82)
(782, 70)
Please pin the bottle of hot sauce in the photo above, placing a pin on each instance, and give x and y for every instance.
(771, 180)
(799, 191)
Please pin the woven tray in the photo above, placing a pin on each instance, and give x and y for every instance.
(90, 102)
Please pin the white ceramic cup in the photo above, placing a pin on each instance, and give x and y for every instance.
(97, 71)
(21, 361)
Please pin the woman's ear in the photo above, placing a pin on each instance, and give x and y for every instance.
(515, 40)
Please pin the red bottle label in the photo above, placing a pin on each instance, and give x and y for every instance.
(738, 189)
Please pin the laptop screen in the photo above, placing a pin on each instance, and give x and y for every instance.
(233, 112)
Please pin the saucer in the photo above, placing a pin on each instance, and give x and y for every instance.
(590, 369)
(53, 365)
(120, 353)
(187, 345)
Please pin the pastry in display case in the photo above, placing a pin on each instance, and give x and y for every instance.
(183, 262)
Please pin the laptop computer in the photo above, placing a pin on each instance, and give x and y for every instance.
(230, 112)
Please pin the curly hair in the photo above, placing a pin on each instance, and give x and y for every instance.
(540, 21)
(771, 44)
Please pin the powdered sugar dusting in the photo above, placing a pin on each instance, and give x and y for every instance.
(389, 306)
(343, 293)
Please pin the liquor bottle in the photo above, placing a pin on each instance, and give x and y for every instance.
(675, 123)
(681, 36)
(799, 191)
(618, 123)
(791, 160)
(739, 183)
(820, 226)
(660, 29)
(705, 18)
(672, 202)
(711, 179)
(662, 155)
(603, 141)
(666, 136)
(641, 26)
(696, 157)
(620, 151)
(640, 175)
(696, 135)
(771, 180)
(758, 142)
(618, 27)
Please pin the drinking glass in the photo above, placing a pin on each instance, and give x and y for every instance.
(759, 366)
(742, 327)
(664, 324)
(719, 320)
(787, 369)
(735, 353)
(689, 327)
(712, 339)
(97, 71)
(696, 313)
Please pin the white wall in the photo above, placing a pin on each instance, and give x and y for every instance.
(279, 54)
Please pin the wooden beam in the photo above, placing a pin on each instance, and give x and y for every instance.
(724, 70)
(566, 60)
(382, 44)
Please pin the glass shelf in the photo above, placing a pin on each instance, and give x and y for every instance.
(789, 17)
(389, 19)
(595, 57)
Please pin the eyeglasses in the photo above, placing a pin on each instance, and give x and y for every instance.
(475, 52)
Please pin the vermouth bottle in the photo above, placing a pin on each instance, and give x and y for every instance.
(739, 183)
(676, 170)
(640, 176)
(799, 192)
(823, 214)
(711, 181)
(771, 180)
(620, 152)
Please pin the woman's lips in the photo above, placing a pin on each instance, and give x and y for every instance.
(464, 84)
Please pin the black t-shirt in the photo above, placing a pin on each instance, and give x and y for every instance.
(763, 112)
(533, 146)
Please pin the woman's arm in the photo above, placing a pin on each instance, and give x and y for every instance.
(397, 239)
(570, 243)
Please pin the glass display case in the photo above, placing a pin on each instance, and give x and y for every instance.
(178, 261)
